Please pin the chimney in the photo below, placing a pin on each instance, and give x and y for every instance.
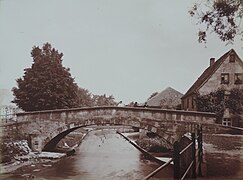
(212, 61)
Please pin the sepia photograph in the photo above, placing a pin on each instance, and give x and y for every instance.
(121, 89)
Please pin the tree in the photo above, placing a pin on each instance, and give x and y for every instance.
(217, 101)
(84, 98)
(87, 99)
(213, 102)
(222, 17)
(47, 84)
(103, 100)
(235, 100)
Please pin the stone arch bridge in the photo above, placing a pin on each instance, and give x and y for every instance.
(44, 129)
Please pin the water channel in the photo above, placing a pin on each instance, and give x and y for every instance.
(103, 154)
(106, 155)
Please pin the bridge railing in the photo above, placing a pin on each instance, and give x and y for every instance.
(187, 158)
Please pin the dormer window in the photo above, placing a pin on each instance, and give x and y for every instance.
(232, 58)
(225, 78)
(238, 78)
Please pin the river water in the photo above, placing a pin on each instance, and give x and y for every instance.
(103, 154)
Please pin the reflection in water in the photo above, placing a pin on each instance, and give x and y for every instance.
(224, 156)
(103, 155)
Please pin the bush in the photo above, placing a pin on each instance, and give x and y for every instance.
(11, 149)
(153, 145)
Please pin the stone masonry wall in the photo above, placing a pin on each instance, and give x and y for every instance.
(40, 127)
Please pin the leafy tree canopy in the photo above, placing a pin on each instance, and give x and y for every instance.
(103, 100)
(217, 101)
(222, 17)
(235, 100)
(213, 102)
(85, 98)
(46, 84)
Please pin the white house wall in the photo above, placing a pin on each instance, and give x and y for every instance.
(214, 82)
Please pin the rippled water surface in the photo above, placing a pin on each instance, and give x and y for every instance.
(103, 154)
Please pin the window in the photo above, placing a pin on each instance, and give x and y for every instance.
(238, 78)
(232, 58)
(225, 78)
(226, 122)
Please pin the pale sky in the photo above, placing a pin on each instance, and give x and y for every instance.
(125, 48)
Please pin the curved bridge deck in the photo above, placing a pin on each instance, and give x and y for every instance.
(41, 127)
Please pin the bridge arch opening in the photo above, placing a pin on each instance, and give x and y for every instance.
(52, 143)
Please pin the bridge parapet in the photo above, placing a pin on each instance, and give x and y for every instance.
(150, 113)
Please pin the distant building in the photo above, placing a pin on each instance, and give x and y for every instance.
(8, 110)
(8, 113)
(167, 99)
(225, 73)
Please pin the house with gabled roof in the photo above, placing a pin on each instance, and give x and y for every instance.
(169, 98)
(225, 73)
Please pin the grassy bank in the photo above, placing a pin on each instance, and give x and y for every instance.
(154, 145)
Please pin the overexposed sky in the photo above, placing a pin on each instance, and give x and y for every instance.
(125, 48)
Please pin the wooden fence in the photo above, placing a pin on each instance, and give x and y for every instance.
(187, 157)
